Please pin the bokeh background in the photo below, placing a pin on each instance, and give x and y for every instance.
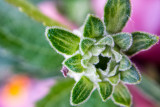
(29, 67)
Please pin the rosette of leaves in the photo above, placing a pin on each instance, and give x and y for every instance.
(96, 56)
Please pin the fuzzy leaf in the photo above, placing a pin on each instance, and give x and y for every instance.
(142, 41)
(33, 12)
(81, 91)
(125, 63)
(101, 73)
(91, 69)
(63, 41)
(94, 60)
(86, 44)
(117, 55)
(107, 52)
(85, 62)
(87, 55)
(59, 96)
(97, 49)
(112, 68)
(74, 63)
(93, 27)
(121, 95)
(116, 14)
(105, 90)
(123, 40)
(131, 76)
(108, 40)
(114, 79)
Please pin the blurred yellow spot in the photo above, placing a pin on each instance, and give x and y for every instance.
(17, 85)
(14, 88)
(15, 92)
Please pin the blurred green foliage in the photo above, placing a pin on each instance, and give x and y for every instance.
(24, 38)
(150, 87)
(75, 10)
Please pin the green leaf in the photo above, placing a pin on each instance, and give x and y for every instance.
(141, 41)
(121, 95)
(59, 96)
(23, 38)
(112, 68)
(123, 40)
(97, 49)
(94, 60)
(96, 101)
(107, 40)
(85, 44)
(101, 74)
(33, 12)
(85, 62)
(93, 27)
(105, 90)
(91, 69)
(130, 76)
(125, 63)
(87, 55)
(81, 91)
(117, 55)
(116, 14)
(114, 79)
(150, 87)
(107, 52)
(63, 41)
(74, 63)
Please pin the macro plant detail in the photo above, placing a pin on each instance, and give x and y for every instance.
(97, 54)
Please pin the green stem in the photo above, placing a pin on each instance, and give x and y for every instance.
(33, 12)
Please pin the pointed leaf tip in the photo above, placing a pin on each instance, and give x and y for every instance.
(123, 40)
(125, 63)
(93, 27)
(117, 55)
(81, 91)
(141, 41)
(107, 40)
(85, 44)
(114, 79)
(105, 90)
(121, 95)
(116, 14)
(131, 76)
(97, 50)
(112, 68)
(74, 63)
(63, 41)
(107, 52)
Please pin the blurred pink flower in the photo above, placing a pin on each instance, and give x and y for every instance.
(140, 99)
(22, 91)
(49, 9)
